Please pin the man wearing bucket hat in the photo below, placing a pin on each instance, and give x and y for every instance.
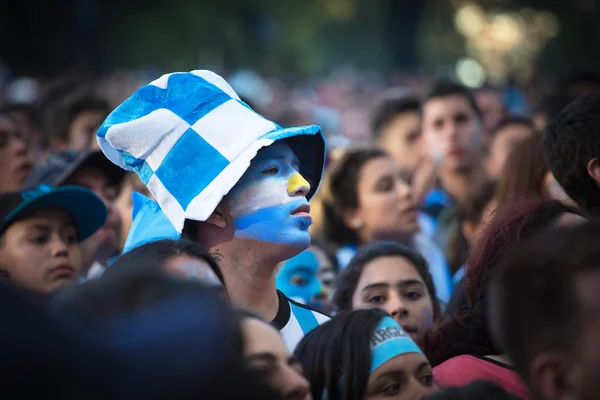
(227, 178)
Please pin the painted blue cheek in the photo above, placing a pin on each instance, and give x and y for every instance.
(274, 225)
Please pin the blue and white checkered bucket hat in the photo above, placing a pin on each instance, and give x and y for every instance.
(190, 139)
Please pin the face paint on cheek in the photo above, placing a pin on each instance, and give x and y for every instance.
(262, 208)
(276, 225)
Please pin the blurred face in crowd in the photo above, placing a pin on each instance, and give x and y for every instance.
(15, 164)
(393, 284)
(401, 138)
(301, 277)
(385, 202)
(502, 144)
(492, 109)
(268, 205)
(103, 244)
(124, 203)
(452, 131)
(265, 353)
(82, 132)
(407, 376)
(40, 253)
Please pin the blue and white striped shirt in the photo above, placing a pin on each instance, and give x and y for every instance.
(294, 320)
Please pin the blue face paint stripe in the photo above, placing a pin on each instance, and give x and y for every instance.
(289, 230)
(305, 317)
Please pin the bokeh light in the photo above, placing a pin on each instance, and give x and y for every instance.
(470, 73)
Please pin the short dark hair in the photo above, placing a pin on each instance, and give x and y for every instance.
(156, 254)
(349, 277)
(330, 363)
(569, 143)
(391, 107)
(64, 114)
(546, 314)
(339, 193)
(512, 121)
(447, 88)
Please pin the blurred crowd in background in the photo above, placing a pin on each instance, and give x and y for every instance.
(453, 249)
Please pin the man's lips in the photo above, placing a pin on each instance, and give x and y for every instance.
(302, 211)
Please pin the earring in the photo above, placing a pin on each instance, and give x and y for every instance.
(358, 224)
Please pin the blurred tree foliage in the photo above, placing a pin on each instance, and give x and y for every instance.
(302, 37)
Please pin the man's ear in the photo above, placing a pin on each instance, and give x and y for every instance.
(217, 217)
(593, 168)
(554, 377)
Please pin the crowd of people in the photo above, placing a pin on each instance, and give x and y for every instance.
(200, 237)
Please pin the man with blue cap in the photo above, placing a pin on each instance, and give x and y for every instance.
(227, 178)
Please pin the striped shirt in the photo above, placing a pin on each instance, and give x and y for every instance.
(294, 320)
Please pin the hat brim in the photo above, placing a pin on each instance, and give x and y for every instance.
(87, 210)
(98, 160)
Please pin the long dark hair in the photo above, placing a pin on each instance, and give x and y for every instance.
(156, 254)
(336, 356)
(466, 331)
(339, 193)
(348, 279)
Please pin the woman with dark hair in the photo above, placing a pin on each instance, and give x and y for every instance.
(361, 355)
(180, 258)
(459, 346)
(365, 200)
(392, 278)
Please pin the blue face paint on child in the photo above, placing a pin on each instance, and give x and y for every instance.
(269, 201)
(298, 279)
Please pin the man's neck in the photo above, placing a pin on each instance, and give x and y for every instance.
(456, 183)
(250, 282)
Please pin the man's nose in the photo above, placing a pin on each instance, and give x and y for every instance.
(297, 185)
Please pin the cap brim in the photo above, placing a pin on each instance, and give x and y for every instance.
(87, 210)
(96, 159)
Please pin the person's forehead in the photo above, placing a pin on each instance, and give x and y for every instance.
(446, 104)
(389, 269)
(261, 337)
(278, 150)
(45, 216)
(376, 168)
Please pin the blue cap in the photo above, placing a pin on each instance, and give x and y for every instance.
(87, 210)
